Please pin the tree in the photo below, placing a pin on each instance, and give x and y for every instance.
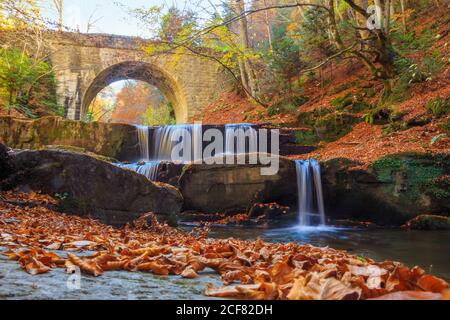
(19, 77)
(59, 9)
(159, 115)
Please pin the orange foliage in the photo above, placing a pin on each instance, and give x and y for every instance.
(248, 269)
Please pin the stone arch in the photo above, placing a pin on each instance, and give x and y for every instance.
(143, 71)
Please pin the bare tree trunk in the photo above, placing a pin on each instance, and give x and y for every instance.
(269, 31)
(387, 17)
(245, 66)
(402, 4)
(361, 20)
(59, 10)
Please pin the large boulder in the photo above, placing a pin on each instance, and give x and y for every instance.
(429, 223)
(92, 187)
(390, 191)
(235, 188)
(118, 141)
(6, 165)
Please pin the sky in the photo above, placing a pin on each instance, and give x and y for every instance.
(111, 16)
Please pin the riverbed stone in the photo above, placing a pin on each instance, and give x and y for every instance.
(235, 188)
(428, 222)
(118, 141)
(91, 187)
(6, 165)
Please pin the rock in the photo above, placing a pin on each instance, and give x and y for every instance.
(118, 141)
(6, 165)
(428, 222)
(269, 211)
(235, 188)
(92, 187)
(391, 191)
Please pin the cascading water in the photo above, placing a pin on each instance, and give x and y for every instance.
(148, 169)
(189, 134)
(162, 145)
(152, 154)
(144, 145)
(310, 198)
(235, 132)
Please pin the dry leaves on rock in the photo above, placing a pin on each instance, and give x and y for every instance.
(248, 269)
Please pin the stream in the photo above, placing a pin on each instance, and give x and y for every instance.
(429, 250)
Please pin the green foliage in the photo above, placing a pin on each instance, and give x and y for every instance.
(344, 87)
(285, 58)
(287, 105)
(395, 126)
(446, 126)
(159, 116)
(350, 103)
(422, 174)
(306, 138)
(342, 102)
(438, 107)
(406, 42)
(313, 34)
(26, 84)
(334, 125)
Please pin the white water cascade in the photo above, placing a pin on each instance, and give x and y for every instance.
(162, 144)
(190, 134)
(144, 166)
(310, 198)
(239, 132)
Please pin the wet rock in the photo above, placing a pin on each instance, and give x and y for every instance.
(428, 222)
(92, 187)
(391, 191)
(6, 165)
(269, 211)
(118, 141)
(235, 188)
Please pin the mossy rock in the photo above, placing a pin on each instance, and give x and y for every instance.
(415, 177)
(335, 125)
(428, 222)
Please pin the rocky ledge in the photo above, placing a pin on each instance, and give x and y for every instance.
(89, 186)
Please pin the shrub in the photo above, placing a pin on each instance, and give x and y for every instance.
(446, 126)
(438, 107)
(307, 138)
(341, 103)
(287, 105)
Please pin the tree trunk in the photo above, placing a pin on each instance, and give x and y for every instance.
(245, 66)
(361, 20)
(387, 17)
(402, 5)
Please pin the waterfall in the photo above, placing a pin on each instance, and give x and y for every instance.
(240, 132)
(148, 169)
(144, 145)
(310, 198)
(190, 134)
(239, 138)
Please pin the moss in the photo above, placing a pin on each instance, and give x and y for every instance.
(420, 174)
(306, 138)
(335, 125)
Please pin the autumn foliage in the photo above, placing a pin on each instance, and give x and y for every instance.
(41, 239)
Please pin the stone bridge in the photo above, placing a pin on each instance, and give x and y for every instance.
(86, 63)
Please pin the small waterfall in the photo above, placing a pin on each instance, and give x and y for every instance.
(239, 132)
(148, 169)
(144, 145)
(310, 198)
(163, 144)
